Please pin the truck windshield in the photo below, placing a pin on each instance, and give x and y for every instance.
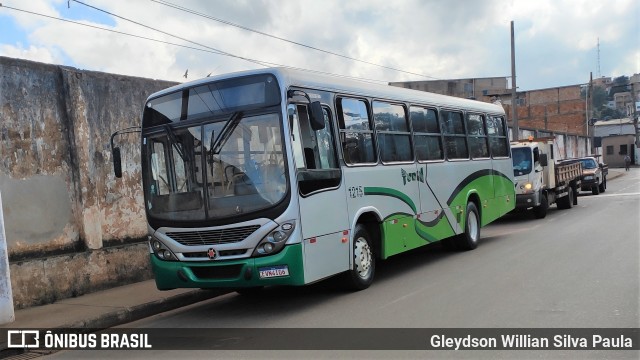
(588, 163)
(521, 161)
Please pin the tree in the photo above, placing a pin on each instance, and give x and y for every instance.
(599, 97)
(619, 84)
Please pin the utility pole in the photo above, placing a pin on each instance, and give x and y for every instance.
(635, 101)
(589, 112)
(514, 109)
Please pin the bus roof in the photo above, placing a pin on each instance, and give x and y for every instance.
(307, 79)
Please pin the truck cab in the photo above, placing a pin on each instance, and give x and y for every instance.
(539, 180)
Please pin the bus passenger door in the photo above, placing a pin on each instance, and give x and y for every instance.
(323, 208)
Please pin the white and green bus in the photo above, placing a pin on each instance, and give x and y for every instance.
(285, 177)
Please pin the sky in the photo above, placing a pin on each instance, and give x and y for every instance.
(556, 41)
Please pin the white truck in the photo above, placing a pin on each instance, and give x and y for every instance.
(541, 180)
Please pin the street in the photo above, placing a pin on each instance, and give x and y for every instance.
(576, 268)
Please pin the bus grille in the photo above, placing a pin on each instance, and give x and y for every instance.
(213, 237)
(217, 272)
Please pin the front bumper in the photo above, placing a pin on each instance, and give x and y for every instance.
(229, 274)
(525, 201)
(588, 184)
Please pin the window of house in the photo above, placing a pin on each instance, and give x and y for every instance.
(609, 149)
(623, 149)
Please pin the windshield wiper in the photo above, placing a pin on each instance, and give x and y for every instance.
(174, 141)
(226, 131)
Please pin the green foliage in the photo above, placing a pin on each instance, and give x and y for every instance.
(620, 84)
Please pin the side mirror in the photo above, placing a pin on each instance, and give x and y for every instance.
(117, 162)
(543, 160)
(316, 116)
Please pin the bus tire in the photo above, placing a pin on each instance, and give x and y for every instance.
(360, 276)
(540, 211)
(468, 240)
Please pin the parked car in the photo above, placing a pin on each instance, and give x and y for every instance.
(594, 174)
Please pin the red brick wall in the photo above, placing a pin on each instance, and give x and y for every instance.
(557, 110)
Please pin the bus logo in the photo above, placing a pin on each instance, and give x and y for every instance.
(211, 253)
(412, 176)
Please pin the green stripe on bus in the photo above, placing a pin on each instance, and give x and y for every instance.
(382, 191)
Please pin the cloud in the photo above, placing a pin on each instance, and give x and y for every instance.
(33, 53)
(555, 39)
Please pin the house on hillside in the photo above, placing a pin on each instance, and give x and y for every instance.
(618, 138)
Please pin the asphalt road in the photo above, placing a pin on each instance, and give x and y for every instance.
(576, 268)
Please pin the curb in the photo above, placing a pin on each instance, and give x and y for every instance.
(137, 312)
(121, 316)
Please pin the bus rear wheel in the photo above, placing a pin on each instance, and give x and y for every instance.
(360, 276)
(468, 240)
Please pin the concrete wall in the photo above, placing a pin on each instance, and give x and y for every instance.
(6, 295)
(59, 193)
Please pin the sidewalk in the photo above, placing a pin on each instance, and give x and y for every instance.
(107, 308)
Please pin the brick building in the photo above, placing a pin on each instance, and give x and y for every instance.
(479, 89)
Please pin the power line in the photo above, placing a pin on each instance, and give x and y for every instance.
(182, 8)
(259, 62)
(209, 49)
(109, 30)
(169, 34)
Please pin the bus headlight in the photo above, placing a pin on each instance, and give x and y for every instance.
(160, 250)
(274, 242)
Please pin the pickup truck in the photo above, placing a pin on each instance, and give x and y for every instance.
(594, 174)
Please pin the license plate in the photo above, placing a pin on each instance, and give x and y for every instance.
(273, 271)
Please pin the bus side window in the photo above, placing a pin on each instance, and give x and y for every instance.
(394, 138)
(455, 138)
(498, 142)
(426, 134)
(356, 132)
(477, 136)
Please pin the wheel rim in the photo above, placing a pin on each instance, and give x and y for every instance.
(362, 258)
(472, 223)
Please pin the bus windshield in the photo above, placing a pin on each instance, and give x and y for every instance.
(521, 161)
(187, 179)
(214, 150)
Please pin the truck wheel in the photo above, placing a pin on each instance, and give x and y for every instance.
(595, 190)
(364, 261)
(603, 186)
(468, 240)
(566, 202)
(540, 211)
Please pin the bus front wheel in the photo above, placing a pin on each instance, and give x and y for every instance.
(468, 240)
(360, 276)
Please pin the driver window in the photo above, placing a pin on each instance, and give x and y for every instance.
(313, 149)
